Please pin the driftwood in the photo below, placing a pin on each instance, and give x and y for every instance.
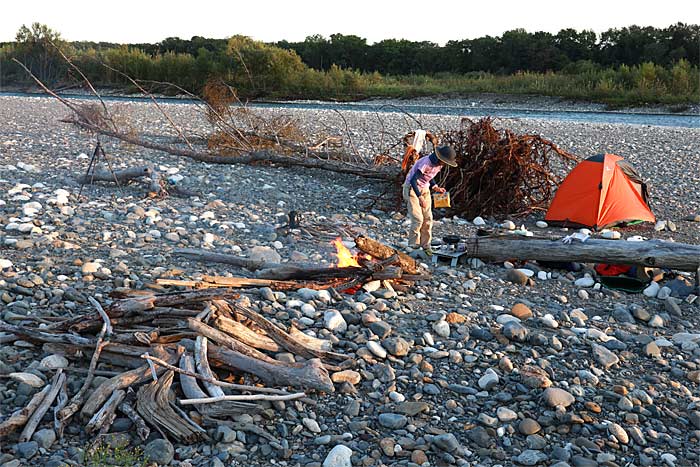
(154, 406)
(103, 418)
(33, 422)
(652, 253)
(141, 428)
(19, 418)
(64, 415)
(378, 250)
(246, 335)
(308, 375)
(189, 383)
(151, 301)
(309, 341)
(123, 176)
(124, 380)
(284, 339)
(200, 355)
(223, 384)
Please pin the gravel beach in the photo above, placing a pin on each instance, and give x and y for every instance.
(479, 366)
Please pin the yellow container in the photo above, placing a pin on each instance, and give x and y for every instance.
(441, 200)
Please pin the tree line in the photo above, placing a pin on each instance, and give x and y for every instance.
(631, 64)
(514, 51)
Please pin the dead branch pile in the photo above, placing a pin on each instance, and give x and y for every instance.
(145, 340)
(500, 172)
(183, 360)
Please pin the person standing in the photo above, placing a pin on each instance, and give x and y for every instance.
(416, 192)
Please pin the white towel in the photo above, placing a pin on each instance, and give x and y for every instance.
(418, 140)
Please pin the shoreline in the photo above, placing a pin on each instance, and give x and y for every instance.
(518, 102)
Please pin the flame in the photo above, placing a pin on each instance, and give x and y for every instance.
(345, 257)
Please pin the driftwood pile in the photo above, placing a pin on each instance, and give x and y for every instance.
(181, 361)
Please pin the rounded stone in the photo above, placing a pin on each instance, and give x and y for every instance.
(555, 397)
(160, 451)
(529, 426)
(521, 311)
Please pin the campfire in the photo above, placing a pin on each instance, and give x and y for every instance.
(345, 257)
(375, 261)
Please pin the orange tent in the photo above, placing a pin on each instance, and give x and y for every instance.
(600, 192)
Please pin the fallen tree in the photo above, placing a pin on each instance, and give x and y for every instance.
(651, 253)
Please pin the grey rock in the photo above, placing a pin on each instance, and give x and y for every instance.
(621, 315)
(580, 461)
(265, 254)
(480, 436)
(536, 442)
(393, 421)
(45, 438)
(515, 331)
(225, 434)
(530, 457)
(381, 328)
(446, 442)
(604, 357)
(694, 418)
(339, 456)
(555, 397)
(27, 450)
(396, 346)
(488, 380)
(160, 451)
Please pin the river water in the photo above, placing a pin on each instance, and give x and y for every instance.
(630, 118)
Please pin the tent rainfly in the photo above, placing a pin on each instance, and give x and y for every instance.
(602, 191)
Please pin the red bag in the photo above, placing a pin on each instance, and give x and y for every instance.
(612, 269)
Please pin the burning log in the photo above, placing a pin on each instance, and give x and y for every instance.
(378, 250)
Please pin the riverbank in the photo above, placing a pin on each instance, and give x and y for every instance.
(452, 372)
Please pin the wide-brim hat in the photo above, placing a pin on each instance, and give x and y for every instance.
(447, 155)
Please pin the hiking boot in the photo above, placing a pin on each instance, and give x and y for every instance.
(428, 251)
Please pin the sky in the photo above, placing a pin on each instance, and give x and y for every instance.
(129, 21)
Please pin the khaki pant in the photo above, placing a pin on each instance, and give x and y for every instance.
(420, 232)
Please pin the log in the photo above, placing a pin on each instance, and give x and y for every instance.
(310, 375)
(309, 341)
(378, 250)
(124, 176)
(19, 418)
(246, 335)
(365, 171)
(271, 271)
(189, 383)
(206, 256)
(651, 253)
(149, 302)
